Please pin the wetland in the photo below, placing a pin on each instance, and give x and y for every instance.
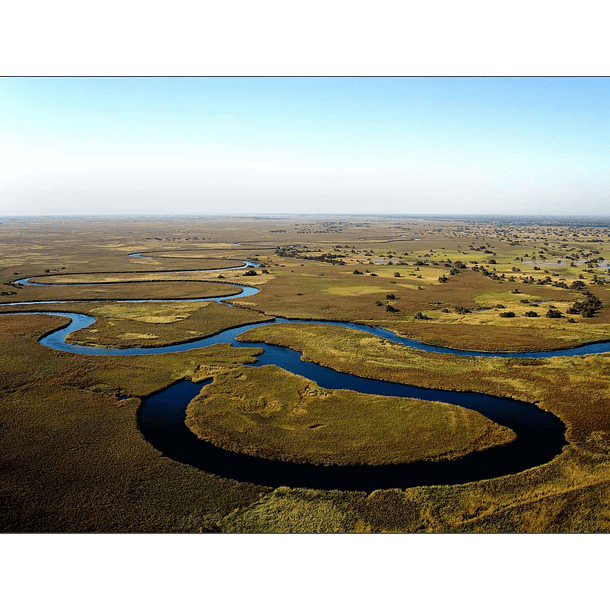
(341, 370)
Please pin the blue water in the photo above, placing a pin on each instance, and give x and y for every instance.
(540, 435)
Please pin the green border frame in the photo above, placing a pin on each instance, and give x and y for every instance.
(67, 38)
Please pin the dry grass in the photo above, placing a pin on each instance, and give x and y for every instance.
(154, 324)
(72, 457)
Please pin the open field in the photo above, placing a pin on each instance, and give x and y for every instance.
(72, 457)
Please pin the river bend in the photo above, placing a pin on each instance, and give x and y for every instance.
(540, 434)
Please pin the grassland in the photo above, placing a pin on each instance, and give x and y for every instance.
(72, 458)
(155, 324)
(272, 413)
(552, 383)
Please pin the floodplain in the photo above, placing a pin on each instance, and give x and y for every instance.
(74, 460)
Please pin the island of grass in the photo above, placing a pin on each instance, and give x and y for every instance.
(160, 324)
(271, 413)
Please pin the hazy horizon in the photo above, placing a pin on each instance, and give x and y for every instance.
(248, 146)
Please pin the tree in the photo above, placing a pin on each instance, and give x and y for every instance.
(553, 313)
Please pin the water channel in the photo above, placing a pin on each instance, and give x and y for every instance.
(540, 434)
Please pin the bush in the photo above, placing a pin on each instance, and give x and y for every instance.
(577, 285)
(507, 314)
(531, 314)
(586, 308)
(553, 313)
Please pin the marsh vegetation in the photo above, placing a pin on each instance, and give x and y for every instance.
(73, 459)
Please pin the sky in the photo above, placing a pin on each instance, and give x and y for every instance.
(304, 145)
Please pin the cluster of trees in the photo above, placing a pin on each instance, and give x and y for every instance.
(291, 252)
(586, 308)
(553, 312)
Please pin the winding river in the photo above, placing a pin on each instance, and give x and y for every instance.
(540, 434)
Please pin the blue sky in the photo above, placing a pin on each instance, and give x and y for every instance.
(297, 145)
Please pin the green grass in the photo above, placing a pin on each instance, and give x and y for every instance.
(575, 388)
(272, 413)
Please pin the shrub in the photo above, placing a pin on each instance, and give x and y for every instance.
(577, 285)
(586, 308)
(531, 314)
(553, 313)
(507, 314)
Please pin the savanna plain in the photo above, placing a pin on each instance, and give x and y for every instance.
(73, 457)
